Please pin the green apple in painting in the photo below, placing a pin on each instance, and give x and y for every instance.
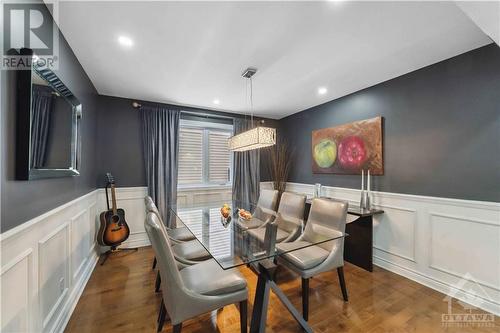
(325, 153)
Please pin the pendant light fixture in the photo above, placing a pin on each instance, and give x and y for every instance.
(257, 137)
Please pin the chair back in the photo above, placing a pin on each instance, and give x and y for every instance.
(268, 199)
(151, 207)
(290, 214)
(326, 218)
(173, 288)
(292, 205)
(266, 204)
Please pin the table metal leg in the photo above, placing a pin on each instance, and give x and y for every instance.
(260, 304)
(286, 302)
(265, 270)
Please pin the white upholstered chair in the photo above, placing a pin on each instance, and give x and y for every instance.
(289, 219)
(196, 289)
(264, 212)
(327, 219)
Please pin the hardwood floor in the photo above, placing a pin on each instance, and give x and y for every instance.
(119, 297)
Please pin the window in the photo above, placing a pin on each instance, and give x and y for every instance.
(204, 157)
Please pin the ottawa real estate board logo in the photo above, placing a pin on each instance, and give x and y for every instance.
(29, 34)
(461, 311)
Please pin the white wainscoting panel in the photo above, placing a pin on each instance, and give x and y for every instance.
(203, 195)
(450, 245)
(45, 264)
(53, 272)
(17, 292)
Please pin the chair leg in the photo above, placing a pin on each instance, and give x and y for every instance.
(162, 308)
(340, 272)
(305, 299)
(177, 328)
(154, 263)
(157, 282)
(243, 316)
(161, 318)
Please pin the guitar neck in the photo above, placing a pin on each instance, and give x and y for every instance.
(113, 199)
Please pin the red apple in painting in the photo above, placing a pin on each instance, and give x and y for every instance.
(352, 152)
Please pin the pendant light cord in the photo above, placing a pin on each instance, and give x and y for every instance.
(251, 102)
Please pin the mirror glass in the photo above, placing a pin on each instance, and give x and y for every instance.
(54, 127)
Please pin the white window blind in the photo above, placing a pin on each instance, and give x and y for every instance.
(194, 220)
(220, 239)
(190, 156)
(204, 156)
(219, 157)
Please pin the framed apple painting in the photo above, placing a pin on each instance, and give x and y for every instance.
(349, 148)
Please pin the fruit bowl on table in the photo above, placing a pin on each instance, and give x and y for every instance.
(244, 215)
(225, 211)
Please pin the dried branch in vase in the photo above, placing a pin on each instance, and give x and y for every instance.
(280, 161)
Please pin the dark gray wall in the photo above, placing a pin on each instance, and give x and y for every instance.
(23, 200)
(442, 129)
(120, 141)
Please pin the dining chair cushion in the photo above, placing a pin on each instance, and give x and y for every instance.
(260, 234)
(208, 278)
(252, 224)
(305, 258)
(181, 234)
(191, 250)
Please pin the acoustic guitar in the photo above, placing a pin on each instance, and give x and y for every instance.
(113, 229)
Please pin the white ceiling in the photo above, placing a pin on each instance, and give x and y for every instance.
(190, 53)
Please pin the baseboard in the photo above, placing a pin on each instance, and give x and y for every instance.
(138, 239)
(439, 286)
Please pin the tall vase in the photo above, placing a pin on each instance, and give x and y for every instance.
(317, 190)
(368, 201)
(362, 201)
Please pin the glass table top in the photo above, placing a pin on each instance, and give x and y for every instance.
(222, 233)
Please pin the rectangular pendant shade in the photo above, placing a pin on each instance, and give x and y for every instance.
(256, 138)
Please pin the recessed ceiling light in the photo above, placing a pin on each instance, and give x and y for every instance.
(216, 101)
(125, 41)
(322, 90)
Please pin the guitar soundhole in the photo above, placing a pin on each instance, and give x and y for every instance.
(115, 218)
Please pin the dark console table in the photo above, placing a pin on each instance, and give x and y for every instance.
(358, 246)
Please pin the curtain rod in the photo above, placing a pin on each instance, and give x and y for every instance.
(137, 105)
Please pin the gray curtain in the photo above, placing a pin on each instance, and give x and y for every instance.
(160, 140)
(42, 101)
(246, 173)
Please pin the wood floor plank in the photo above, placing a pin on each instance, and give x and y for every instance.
(120, 297)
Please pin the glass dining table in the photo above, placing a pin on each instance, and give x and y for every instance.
(221, 228)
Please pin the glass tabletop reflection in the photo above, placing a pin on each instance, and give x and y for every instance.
(220, 227)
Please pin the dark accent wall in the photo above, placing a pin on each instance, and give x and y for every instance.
(442, 129)
(24, 200)
(120, 140)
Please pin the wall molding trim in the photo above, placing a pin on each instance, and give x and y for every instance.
(419, 198)
(450, 245)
